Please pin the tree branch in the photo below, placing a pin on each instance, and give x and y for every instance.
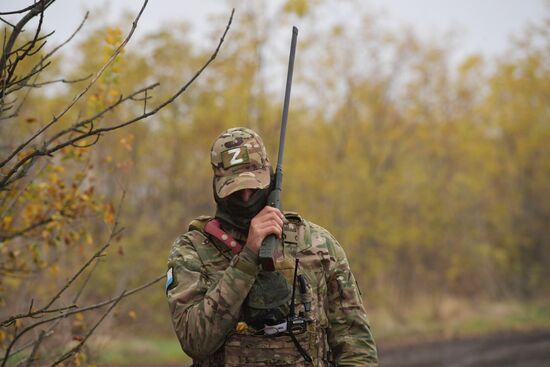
(8, 23)
(37, 9)
(10, 236)
(7, 354)
(90, 332)
(114, 232)
(62, 80)
(7, 178)
(83, 123)
(79, 95)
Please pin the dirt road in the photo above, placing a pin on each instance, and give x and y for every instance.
(526, 349)
(529, 349)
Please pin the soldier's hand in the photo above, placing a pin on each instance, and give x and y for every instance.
(268, 221)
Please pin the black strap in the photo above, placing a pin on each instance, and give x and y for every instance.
(302, 351)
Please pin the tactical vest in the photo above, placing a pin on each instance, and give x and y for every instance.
(244, 347)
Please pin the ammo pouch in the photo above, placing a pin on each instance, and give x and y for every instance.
(260, 350)
(268, 300)
(268, 304)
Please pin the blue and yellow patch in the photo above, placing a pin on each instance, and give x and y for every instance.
(169, 279)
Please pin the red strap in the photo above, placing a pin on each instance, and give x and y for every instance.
(213, 228)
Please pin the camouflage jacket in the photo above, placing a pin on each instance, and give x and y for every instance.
(208, 284)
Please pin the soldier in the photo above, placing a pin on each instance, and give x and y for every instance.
(227, 312)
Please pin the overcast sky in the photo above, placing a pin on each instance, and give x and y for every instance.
(484, 25)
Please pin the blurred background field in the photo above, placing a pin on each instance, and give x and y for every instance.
(429, 164)
(462, 322)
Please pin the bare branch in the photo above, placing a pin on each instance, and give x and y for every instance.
(79, 95)
(8, 178)
(109, 108)
(20, 11)
(115, 231)
(38, 9)
(96, 139)
(17, 31)
(41, 38)
(55, 49)
(18, 335)
(49, 331)
(37, 49)
(40, 67)
(16, 112)
(30, 344)
(32, 73)
(35, 348)
(62, 80)
(90, 332)
(5, 21)
(7, 237)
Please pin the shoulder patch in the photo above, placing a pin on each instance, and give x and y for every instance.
(169, 279)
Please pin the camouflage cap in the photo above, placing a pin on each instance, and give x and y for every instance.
(239, 160)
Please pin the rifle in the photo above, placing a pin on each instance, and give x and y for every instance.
(268, 251)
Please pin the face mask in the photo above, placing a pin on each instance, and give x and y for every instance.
(236, 213)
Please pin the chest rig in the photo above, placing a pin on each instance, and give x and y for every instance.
(272, 344)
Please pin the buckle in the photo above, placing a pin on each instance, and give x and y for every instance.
(275, 329)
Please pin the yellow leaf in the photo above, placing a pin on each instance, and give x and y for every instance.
(132, 314)
(109, 215)
(6, 221)
(59, 169)
(54, 178)
(54, 269)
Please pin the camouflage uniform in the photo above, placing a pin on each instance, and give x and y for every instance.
(209, 281)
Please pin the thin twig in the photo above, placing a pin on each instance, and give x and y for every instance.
(28, 345)
(55, 49)
(8, 23)
(18, 11)
(41, 38)
(62, 80)
(21, 232)
(41, 67)
(109, 108)
(39, 10)
(90, 332)
(49, 331)
(69, 313)
(18, 84)
(81, 93)
(35, 348)
(8, 178)
(115, 231)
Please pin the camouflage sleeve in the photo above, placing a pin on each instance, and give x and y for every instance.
(203, 311)
(349, 334)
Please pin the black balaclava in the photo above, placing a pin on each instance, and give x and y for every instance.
(235, 214)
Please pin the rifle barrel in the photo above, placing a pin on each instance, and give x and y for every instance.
(286, 104)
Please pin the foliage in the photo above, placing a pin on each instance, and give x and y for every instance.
(432, 174)
(52, 214)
